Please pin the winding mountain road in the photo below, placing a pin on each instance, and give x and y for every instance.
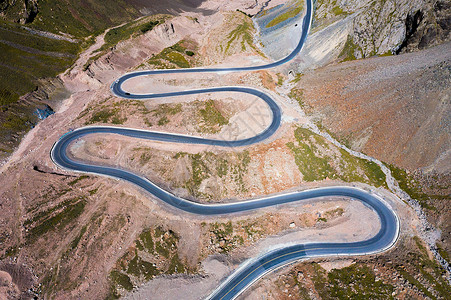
(255, 268)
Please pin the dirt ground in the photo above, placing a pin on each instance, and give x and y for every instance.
(67, 233)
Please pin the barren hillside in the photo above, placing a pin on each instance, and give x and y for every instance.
(66, 235)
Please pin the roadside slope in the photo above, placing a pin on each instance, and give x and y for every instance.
(394, 108)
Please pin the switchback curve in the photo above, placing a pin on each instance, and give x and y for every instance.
(256, 268)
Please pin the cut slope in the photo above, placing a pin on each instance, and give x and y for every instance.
(394, 108)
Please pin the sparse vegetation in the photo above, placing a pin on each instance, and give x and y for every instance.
(163, 121)
(348, 52)
(207, 164)
(294, 10)
(154, 252)
(419, 264)
(78, 179)
(176, 56)
(167, 109)
(121, 280)
(242, 33)
(56, 218)
(280, 79)
(358, 282)
(211, 118)
(338, 11)
(224, 237)
(309, 152)
(297, 78)
(408, 183)
(298, 95)
(115, 112)
(107, 115)
(124, 32)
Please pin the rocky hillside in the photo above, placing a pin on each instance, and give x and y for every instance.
(348, 30)
(378, 27)
(41, 39)
(396, 109)
(72, 236)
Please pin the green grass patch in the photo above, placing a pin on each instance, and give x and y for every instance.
(357, 282)
(298, 95)
(167, 109)
(176, 266)
(154, 252)
(348, 51)
(107, 115)
(82, 19)
(222, 167)
(412, 187)
(207, 164)
(176, 56)
(146, 238)
(411, 279)
(315, 165)
(125, 32)
(122, 280)
(338, 11)
(139, 267)
(200, 171)
(56, 221)
(27, 57)
(212, 118)
(80, 178)
(223, 234)
(297, 78)
(279, 79)
(292, 12)
(163, 121)
(178, 59)
(243, 33)
(148, 26)
(77, 239)
(253, 229)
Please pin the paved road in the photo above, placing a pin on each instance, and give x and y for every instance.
(247, 274)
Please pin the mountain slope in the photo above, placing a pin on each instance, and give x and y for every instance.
(394, 108)
(41, 39)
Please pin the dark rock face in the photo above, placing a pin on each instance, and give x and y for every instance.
(31, 11)
(20, 11)
(412, 23)
(428, 27)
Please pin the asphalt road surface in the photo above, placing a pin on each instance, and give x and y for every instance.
(257, 267)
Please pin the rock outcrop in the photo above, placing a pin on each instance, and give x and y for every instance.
(348, 30)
